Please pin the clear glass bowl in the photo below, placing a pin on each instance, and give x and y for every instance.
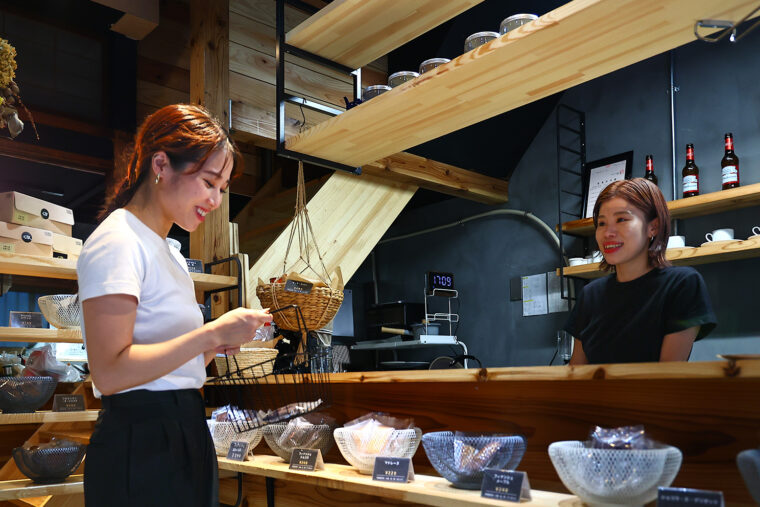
(61, 310)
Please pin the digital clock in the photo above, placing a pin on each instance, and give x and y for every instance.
(439, 281)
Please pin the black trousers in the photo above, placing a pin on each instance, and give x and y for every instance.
(151, 448)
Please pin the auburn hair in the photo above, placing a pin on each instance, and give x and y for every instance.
(645, 196)
(187, 133)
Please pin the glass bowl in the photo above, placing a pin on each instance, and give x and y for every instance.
(316, 436)
(223, 434)
(25, 394)
(361, 449)
(49, 464)
(61, 310)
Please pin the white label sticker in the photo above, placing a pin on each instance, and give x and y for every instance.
(690, 183)
(7, 247)
(730, 174)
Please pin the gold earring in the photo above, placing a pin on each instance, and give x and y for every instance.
(158, 177)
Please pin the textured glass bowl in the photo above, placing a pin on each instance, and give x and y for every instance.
(461, 459)
(223, 433)
(61, 310)
(614, 476)
(52, 464)
(404, 444)
(25, 394)
(321, 436)
(749, 466)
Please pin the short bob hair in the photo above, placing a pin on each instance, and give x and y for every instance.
(647, 198)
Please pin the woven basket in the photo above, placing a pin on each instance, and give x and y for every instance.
(318, 307)
(263, 358)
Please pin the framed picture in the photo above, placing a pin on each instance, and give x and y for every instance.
(600, 173)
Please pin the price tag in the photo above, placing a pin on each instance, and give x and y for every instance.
(238, 451)
(680, 497)
(68, 403)
(505, 485)
(307, 459)
(7, 247)
(194, 265)
(393, 469)
(26, 319)
(20, 217)
(298, 286)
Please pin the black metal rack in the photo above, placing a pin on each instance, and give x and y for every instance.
(282, 48)
(571, 140)
(239, 286)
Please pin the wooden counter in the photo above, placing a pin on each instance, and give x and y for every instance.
(709, 410)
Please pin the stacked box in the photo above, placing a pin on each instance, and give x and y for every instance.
(20, 239)
(21, 209)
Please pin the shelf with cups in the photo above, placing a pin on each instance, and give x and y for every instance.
(700, 205)
(424, 489)
(31, 335)
(716, 251)
(551, 54)
(42, 417)
(26, 488)
(65, 269)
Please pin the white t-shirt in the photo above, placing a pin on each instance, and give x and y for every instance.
(124, 256)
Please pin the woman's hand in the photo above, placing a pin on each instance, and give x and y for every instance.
(237, 327)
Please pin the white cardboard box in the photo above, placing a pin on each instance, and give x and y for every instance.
(66, 247)
(21, 209)
(20, 239)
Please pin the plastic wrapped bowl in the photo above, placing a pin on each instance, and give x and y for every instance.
(461, 459)
(25, 394)
(50, 464)
(61, 310)
(515, 21)
(403, 444)
(614, 476)
(402, 77)
(478, 39)
(223, 434)
(432, 63)
(320, 436)
(373, 91)
(749, 466)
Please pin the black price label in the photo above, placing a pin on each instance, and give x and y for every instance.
(26, 319)
(68, 403)
(306, 459)
(679, 497)
(505, 485)
(393, 469)
(298, 286)
(194, 265)
(238, 451)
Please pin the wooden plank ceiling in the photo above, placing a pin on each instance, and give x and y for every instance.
(572, 44)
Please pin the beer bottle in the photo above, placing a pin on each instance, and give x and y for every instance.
(690, 174)
(729, 164)
(649, 174)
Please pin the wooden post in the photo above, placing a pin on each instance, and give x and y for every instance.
(210, 87)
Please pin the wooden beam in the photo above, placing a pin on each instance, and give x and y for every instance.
(349, 215)
(210, 87)
(52, 156)
(356, 32)
(551, 54)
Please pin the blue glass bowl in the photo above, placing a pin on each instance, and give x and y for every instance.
(461, 459)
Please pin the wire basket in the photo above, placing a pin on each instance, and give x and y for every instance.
(361, 451)
(614, 476)
(61, 310)
(49, 464)
(314, 436)
(223, 434)
(749, 466)
(25, 394)
(318, 307)
(245, 358)
(462, 458)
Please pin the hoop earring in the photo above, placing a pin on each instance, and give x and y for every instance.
(158, 177)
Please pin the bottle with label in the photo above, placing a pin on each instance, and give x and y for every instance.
(729, 165)
(649, 174)
(690, 174)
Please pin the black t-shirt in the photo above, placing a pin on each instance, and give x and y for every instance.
(625, 322)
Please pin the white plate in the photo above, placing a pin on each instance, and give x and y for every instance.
(721, 242)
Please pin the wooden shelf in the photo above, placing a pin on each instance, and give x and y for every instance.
(553, 53)
(425, 489)
(705, 204)
(31, 335)
(49, 417)
(65, 269)
(25, 488)
(357, 32)
(689, 256)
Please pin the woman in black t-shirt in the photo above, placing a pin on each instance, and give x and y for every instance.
(646, 310)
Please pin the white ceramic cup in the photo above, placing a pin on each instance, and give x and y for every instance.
(577, 261)
(720, 235)
(756, 230)
(676, 241)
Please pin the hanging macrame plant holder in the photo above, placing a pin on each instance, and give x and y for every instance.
(311, 288)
